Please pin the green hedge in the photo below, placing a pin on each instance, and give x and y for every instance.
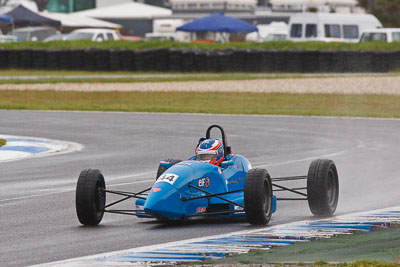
(372, 46)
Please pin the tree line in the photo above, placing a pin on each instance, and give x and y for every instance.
(387, 11)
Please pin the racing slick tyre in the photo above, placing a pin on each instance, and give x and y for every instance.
(161, 169)
(322, 187)
(258, 197)
(90, 198)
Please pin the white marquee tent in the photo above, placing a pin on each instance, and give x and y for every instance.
(131, 10)
(77, 21)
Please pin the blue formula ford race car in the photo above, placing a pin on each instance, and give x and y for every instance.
(214, 182)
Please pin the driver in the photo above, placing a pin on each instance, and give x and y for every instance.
(210, 151)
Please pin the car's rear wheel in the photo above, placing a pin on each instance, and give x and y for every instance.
(161, 169)
(322, 187)
(90, 198)
(258, 197)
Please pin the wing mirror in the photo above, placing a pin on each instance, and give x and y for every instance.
(227, 163)
(166, 164)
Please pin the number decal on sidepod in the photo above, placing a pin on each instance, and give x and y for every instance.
(168, 177)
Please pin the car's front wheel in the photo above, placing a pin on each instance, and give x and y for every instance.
(322, 187)
(90, 198)
(258, 197)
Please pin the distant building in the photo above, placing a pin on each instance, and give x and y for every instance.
(69, 6)
(328, 6)
(104, 3)
(177, 6)
(160, 3)
(209, 6)
(262, 3)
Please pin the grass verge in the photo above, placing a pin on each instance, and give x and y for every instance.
(2, 142)
(380, 247)
(14, 76)
(28, 72)
(195, 102)
(131, 78)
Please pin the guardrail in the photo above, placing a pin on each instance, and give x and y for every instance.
(192, 60)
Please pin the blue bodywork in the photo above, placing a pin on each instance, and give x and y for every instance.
(176, 194)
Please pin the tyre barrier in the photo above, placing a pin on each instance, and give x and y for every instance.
(126, 58)
(13, 59)
(38, 59)
(53, 60)
(195, 60)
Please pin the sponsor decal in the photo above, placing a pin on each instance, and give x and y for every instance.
(238, 208)
(204, 182)
(201, 209)
(235, 181)
(167, 177)
(156, 189)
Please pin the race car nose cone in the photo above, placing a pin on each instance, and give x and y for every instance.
(164, 202)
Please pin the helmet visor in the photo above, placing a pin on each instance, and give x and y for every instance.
(206, 157)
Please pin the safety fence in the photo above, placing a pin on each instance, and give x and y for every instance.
(192, 60)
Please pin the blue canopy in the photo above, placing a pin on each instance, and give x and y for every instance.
(218, 22)
(5, 19)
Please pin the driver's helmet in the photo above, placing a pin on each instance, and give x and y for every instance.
(210, 151)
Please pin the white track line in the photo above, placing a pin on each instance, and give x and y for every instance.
(70, 189)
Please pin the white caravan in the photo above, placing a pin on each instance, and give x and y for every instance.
(165, 29)
(388, 35)
(330, 27)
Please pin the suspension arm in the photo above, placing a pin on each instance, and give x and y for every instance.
(127, 212)
(216, 195)
(290, 178)
(127, 195)
(212, 195)
(289, 189)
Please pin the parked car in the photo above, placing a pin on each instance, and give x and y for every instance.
(151, 36)
(56, 37)
(34, 33)
(327, 27)
(132, 38)
(8, 38)
(388, 35)
(275, 37)
(93, 34)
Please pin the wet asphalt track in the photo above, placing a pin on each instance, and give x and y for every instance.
(37, 214)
